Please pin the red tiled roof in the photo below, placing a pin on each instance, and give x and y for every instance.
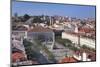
(17, 55)
(40, 29)
(86, 30)
(68, 59)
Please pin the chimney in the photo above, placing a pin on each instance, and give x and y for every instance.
(76, 29)
(50, 21)
(84, 56)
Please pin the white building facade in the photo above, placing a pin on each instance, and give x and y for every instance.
(83, 41)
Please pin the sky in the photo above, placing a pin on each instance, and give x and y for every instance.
(51, 9)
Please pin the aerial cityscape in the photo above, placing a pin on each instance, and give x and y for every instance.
(47, 33)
